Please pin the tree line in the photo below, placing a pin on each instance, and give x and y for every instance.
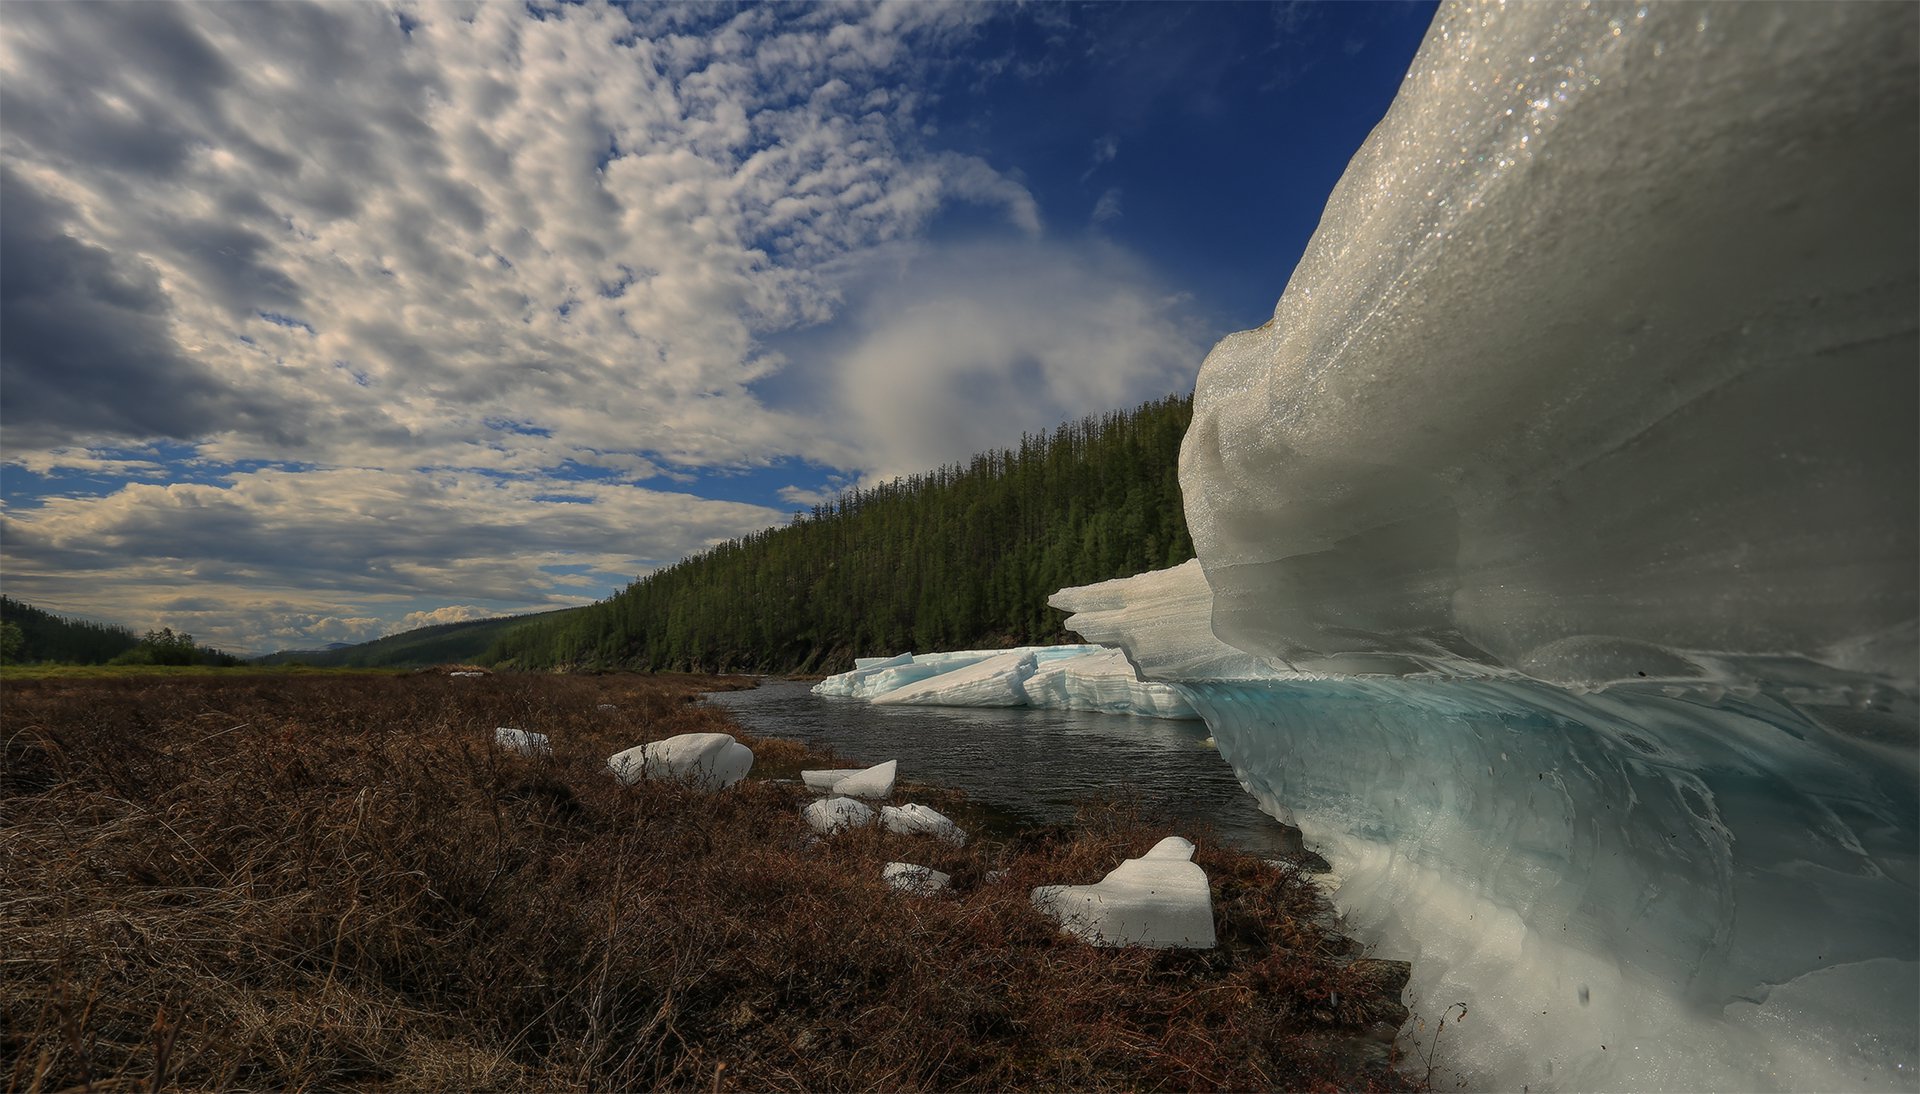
(963, 556)
(31, 635)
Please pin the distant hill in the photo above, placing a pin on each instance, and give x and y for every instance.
(955, 558)
(440, 644)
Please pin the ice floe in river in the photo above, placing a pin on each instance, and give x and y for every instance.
(1557, 545)
(1080, 677)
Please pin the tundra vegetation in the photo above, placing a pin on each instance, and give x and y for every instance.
(307, 881)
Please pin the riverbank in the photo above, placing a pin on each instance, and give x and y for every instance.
(302, 881)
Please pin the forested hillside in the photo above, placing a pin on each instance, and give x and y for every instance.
(29, 634)
(954, 558)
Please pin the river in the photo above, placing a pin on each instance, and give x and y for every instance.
(1037, 764)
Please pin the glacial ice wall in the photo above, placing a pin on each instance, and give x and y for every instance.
(1558, 545)
(1605, 345)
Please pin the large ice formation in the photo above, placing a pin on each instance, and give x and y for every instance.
(1082, 677)
(1160, 900)
(1557, 544)
(708, 760)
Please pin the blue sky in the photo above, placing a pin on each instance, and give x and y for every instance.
(326, 321)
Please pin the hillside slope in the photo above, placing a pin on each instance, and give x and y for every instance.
(44, 636)
(957, 557)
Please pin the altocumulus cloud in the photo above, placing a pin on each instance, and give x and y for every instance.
(379, 285)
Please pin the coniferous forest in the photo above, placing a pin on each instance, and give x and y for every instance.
(30, 634)
(959, 557)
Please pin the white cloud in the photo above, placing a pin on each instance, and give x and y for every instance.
(270, 557)
(440, 258)
(451, 613)
(971, 347)
(386, 240)
(1108, 207)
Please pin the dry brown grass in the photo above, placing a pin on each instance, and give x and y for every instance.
(298, 882)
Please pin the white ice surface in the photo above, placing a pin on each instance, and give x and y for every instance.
(1603, 351)
(710, 760)
(1077, 677)
(522, 741)
(920, 820)
(855, 684)
(1163, 619)
(1159, 900)
(1103, 683)
(1568, 508)
(908, 878)
(875, 676)
(825, 781)
(872, 782)
(993, 682)
(832, 814)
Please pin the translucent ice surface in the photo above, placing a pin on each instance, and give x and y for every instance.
(1105, 683)
(1605, 347)
(1557, 545)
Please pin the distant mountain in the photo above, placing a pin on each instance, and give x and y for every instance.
(440, 644)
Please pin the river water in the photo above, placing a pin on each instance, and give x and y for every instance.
(1037, 764)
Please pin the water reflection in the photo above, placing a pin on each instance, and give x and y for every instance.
(1035, 763)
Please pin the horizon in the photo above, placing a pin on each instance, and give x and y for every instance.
(326, 323)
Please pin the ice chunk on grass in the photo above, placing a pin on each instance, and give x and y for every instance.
(1159, 900)
(873, 782)
(708, 760)
(908, 878)
(919, 820)
(523, 742)
(827, 779)
(830, 815)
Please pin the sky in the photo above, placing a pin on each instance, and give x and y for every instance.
(322, 322)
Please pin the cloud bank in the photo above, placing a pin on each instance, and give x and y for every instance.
(403, 302)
